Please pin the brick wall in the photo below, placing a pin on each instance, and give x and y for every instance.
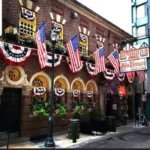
(33, 126)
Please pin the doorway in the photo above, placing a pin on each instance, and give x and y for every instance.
(10, 110)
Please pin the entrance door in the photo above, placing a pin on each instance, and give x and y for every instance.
(10, 109)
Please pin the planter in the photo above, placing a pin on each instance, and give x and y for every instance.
(99, 126)
(59, 50)
(29, 43)
(11, 37)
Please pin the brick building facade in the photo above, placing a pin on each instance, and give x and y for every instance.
(29, 126)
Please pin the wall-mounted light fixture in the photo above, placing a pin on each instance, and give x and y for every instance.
(74, 15)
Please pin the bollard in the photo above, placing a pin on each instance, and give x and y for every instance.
(74, 131)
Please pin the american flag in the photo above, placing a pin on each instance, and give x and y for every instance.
(141, 75)
(41, 46)
(130, 76)
(73, 51)
(113, 58)
(99, 60)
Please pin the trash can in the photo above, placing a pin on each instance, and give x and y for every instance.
(73, 129)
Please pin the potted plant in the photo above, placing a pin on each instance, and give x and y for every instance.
(62, 111)
(28, 39)
(48, 45)
(89, 104)
(91, 59)
(78, 108)
(38, 107)
(59, 48)
(11, 33)
(98, 122)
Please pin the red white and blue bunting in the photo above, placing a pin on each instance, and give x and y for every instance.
(27, 14)
(38, 91)
(14, 54)
(59, 91)
(77, 70)
(76, 93)
(89, 94)
(91, 68)
(109, 74)
(57, 60)
(121, 76)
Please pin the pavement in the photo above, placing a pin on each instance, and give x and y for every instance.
(61, 141)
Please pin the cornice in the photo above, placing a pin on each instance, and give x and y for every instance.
(83, 10)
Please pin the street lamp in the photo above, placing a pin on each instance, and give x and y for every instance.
(49, 141)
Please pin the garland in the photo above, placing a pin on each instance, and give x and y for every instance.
(77, 69)
(121, 76)
(14, 54)
(57, 60)
(39, 91)
(109, 74)
(89, 93)
(76, 93)
(59, 91)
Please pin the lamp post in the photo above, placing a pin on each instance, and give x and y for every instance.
(49, 141)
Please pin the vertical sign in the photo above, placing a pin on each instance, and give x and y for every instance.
(1, 17)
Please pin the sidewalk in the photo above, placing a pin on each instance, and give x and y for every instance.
(61, 141)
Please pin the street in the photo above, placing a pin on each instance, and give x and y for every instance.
(135, 139)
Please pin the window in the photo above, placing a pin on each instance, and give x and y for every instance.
(141, 31)
(140, 11)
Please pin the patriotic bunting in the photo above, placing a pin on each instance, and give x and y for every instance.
(15, 54)
(121, 76)
(141, 76)
(39, 91)
(91, 69)
(109, 74)
(59, 91)
(57, 60)
(76, 93)
(89, 94)
(130, 76)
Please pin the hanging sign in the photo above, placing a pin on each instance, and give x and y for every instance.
(128, 55)
(134, 65)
